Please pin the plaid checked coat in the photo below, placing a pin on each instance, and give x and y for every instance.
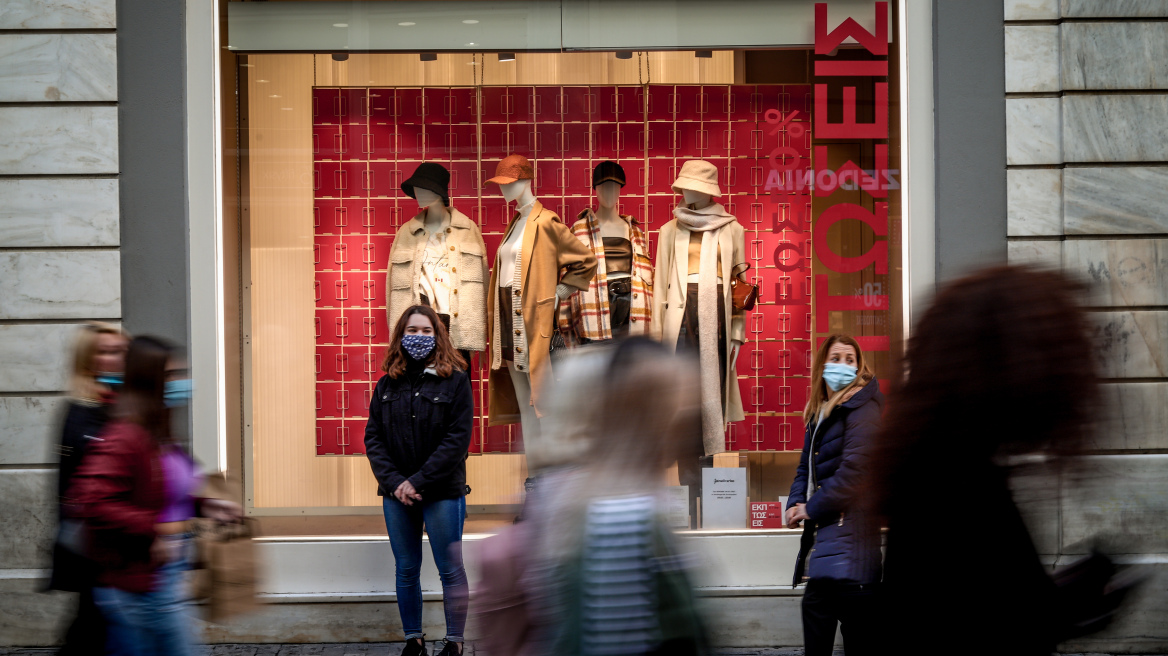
(585, 314)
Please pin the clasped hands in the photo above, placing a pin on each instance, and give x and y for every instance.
(406, 493)
(796, 514)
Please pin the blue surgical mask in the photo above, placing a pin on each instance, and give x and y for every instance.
(112, 378)
(418, 346)
(838, 375)
(177, 393)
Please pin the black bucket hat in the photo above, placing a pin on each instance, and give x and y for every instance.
(608, 171)
(432, 177)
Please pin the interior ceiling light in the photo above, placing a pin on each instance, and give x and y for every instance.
(408, 24)
(704, 54)
(428, 56)
(340, 56)
(624, 54)
(506, 56)
(340, 24)
(262, 81)
(470, 21)
(471, 43)
(274, 95)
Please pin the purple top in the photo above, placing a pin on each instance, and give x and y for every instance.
(182, 481)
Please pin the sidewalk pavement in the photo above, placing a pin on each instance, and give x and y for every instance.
(393, 649)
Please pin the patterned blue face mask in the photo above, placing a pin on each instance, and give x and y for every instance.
(418, 347)
(838, 375)
(177, 393)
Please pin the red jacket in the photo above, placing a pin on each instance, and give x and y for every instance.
(119, 490)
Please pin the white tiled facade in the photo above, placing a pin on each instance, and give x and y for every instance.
(59, 266)
(1088, 193)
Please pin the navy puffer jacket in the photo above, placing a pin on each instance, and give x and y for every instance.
(842, 540)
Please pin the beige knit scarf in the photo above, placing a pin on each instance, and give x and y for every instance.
(708, 221)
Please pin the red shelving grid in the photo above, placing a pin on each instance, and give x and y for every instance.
(367, 140)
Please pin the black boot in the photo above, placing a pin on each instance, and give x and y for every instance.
(415, 647)
(450, 648)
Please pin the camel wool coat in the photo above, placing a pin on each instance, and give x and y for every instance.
(468, 298)
(549, 249)
(669, 293)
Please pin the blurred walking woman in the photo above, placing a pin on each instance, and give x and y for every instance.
(839, 556)
(135, 491)
(417, 438)
(99, 359)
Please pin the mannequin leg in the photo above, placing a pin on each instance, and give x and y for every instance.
(522, 384)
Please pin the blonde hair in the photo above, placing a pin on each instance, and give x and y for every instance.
(819, 401)
(83, 381)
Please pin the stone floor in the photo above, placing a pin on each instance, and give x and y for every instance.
(370, 649)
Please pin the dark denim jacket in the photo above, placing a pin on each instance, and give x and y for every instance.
(420, 432)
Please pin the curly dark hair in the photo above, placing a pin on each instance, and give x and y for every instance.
(1001, 363)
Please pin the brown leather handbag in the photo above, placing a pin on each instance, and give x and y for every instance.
(743, 294)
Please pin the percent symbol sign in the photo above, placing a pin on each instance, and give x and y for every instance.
(775, 118)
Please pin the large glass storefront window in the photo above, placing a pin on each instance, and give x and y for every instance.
(803, 146)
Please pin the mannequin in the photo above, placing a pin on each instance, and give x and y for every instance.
(618, 301)
(438, 259)
(538, 263)
(519, 192)
(698, 254)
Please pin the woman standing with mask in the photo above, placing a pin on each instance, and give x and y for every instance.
(99, 359)
(839, 556)
(416, 439)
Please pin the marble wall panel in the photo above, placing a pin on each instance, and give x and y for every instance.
(1105, 56)
(39, 212)
(1116, 502)
(28, 517)
(1034, 202)
(1120, 272)
(1114, 8)
(1032, 131)
(1134, 416)
(60, 284)
(55, 140)
(29, 616)
(29, 427)
(1131, 344)
(58, 14)
(1032, 58)
(1032, 9)
(58, 67)
(1115, 128)
(36, 357)
(1115, 200)
(1047, 254)
(1141, 626)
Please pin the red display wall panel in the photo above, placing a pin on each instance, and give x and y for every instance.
(367, 141)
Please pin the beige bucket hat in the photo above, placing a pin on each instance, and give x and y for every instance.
(698, 175)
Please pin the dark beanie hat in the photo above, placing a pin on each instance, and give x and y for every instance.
(606, 171)
(432, 177)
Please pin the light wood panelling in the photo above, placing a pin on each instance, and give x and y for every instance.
(285, 468)
(572, 68)
(496, 478)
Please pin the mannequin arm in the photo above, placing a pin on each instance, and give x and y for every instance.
(575, 257)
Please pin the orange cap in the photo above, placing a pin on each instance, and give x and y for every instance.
(512, 168)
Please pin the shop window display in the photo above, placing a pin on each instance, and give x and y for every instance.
(367, 140)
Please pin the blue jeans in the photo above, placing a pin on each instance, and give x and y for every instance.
(150, 623)
(443, 521)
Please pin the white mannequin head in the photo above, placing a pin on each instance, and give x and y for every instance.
(608, 193)
(696, 198)
(427, 198)
(514, 190)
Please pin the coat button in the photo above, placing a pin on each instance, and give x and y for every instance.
(634, 320)
(385, 397)
(454, 315)
(435, 398)
(416, 393)
(455, 291)
(518, 333)
(634, 295)
(519, 349)
(451, 248)
(519, 313)
(517, 292)
(448, 231)
(453, 269)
